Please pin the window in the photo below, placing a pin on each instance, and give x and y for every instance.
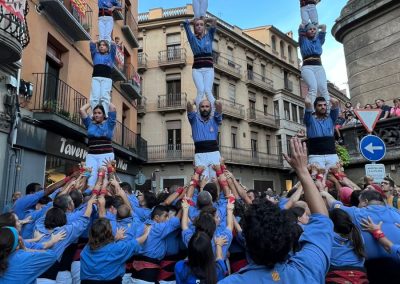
(53, 64)
(261, 186)
(288, 137)
(286, 109)
(286, 79)
(268, 144)
(173, 90)
(230, 57)
(273, 42)
(276, 108)
(263, 73)
(252, 109)
(301, 114)
(139, 129)
(234, 137)
(174, 135)
(294, 113)
(282, 44)
(173, 47)
(249, 68)
(232, 92)
(265, 100)
(279, 143)
(290, 53)
(140, 48)
(216, 91)
(254, 146)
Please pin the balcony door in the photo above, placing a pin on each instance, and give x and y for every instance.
(174, 138)
(254, 145)
(174, 91)
(51, 81)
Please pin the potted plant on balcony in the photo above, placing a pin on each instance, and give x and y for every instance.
(64, 113)
(50, 106)
(343, 154)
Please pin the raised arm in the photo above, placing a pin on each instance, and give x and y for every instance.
(83, 111)
(229, 212)
(298, 161)
(295, 197)
(185, 215)
(112, 107)
(376, 232)
(219, 243)
(189, 107)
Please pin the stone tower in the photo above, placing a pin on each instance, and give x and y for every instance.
(370, 33)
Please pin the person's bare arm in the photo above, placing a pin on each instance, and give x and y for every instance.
(211, 21)
(334, 103)
(298, 160)
(172, 197)
(218, 106)
(308, 103)
(229, 214)
(219, 243)
(376, 232)
(185, 215)
(112, 107)
(83, 110)
(295, 197)
(189, 107)
(322, 28)
(101, 203)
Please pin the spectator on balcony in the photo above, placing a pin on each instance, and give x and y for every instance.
(205, 135)
(320, 132)
(201, 42)
(395, 111)
(368, 106)
(390, 191)
(380, 104)
(106, 20)
(308, 11)
(103, 58)
(200, 8)
(100, 134)
(350, 119)
(311, 39)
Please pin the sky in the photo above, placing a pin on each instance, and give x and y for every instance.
(286, 17)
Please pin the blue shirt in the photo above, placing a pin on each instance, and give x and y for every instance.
(220, 232)
(25, 267)
(107, 4)
(155, 245)
(185, 276)
(25, 203)
(200, 45)
(103, 58)
(203, 130)
(343, 253)
(388, 215)
(108, 262)
(320, 127)
(309, 265)
(309, 47)
(28, 229)
(104, 129)
(141, 213)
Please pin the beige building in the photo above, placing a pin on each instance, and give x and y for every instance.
(55, 76)
(257, 79)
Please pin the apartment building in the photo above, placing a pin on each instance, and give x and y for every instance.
(48, 139)
(257, 79)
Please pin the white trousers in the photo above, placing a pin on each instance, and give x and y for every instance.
(200, 8)
(203, 79)
(95, 161)
(324, 161)
(309, 12)
(207, 160)
(76, 272)
(101, 93)
(106, 24)
(315, 78)
(63, 277)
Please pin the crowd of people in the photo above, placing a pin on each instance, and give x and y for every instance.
(91, 228)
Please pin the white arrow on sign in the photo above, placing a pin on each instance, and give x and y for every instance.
(371, 148)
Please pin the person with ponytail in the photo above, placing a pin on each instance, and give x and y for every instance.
(201, 264)
(348, 255)
(18, 265)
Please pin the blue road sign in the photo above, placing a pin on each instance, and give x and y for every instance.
(372, 148)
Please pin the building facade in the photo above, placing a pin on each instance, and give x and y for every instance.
(257, 79)
(369, 31)
(48, 138)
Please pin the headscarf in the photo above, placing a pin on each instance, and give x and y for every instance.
(16, 237)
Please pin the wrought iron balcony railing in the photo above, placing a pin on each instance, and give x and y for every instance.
(142, 61)
(130, 28)
(259, 81)
(172, 102)
(232, 109)
(174, 57)
(227, 66)
(263, 119)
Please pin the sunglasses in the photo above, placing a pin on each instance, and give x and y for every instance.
(384, 182)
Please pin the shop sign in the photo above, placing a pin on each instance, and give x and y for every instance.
(66, 148)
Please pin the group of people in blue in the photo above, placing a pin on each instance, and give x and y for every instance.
(89, 228)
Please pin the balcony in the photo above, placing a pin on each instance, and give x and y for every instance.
(289, 85)
(131, 86)
(185, 152)
(130, 29)
(126, 139)
(259, 118)
(259, 82)
(172, 58)
(172, 103)
(232, 109)
(57, 104)
(117, 14)
(72, 22)
(14, 36)
(141, 106)
(118, 72)
(142, 62)
(388, 130)
(227, 67)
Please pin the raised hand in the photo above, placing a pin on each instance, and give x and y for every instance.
(298, 158)
(120, 235)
